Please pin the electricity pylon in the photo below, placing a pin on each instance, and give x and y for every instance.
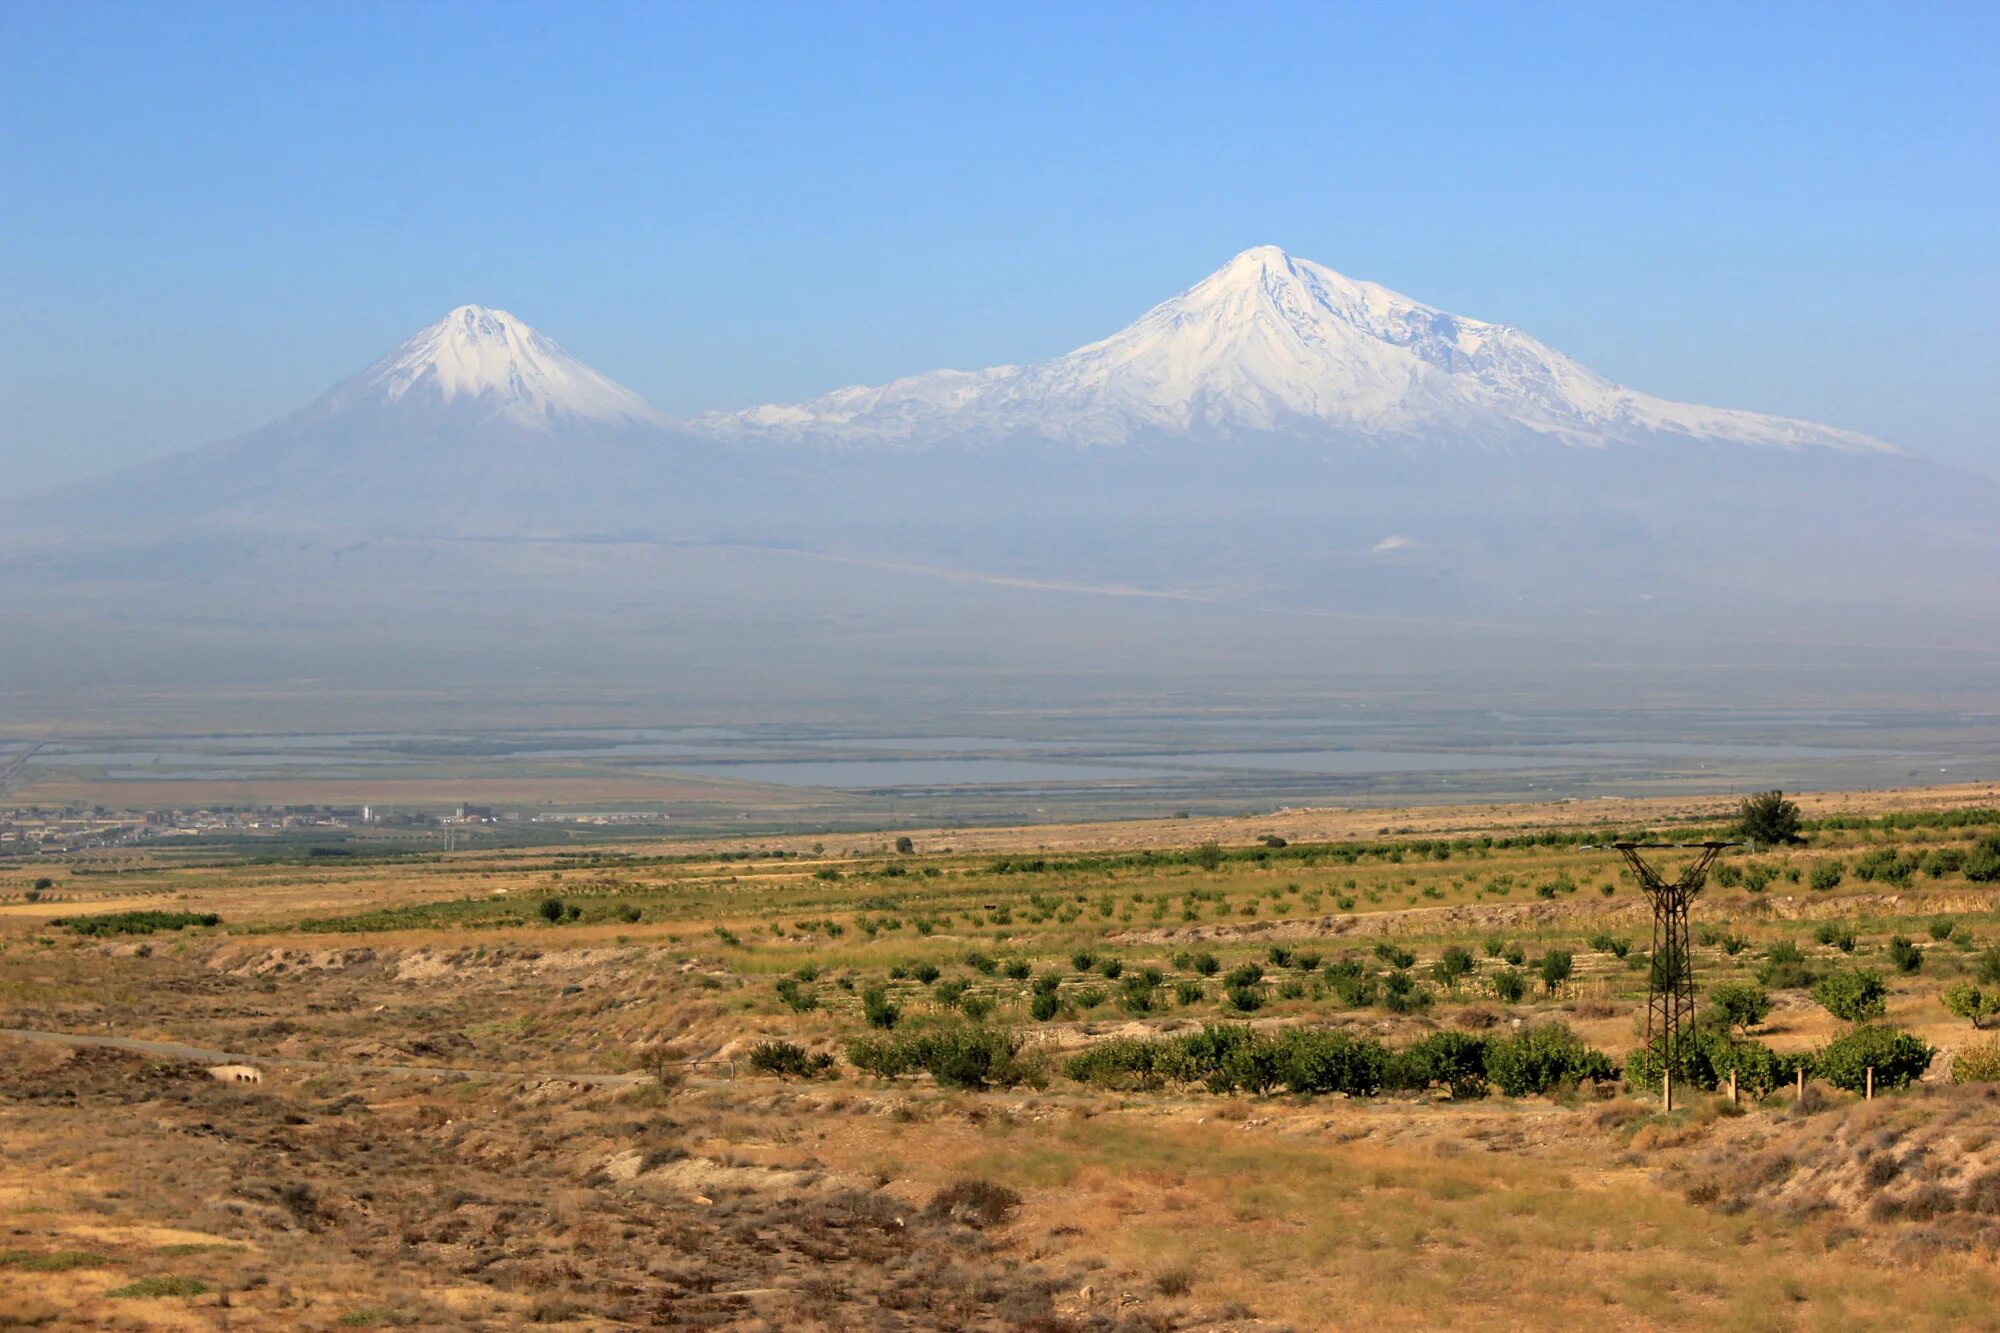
(1670, 994)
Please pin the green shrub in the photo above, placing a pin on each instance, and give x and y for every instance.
(1207, 964)
(1852, 995)
(1313, 1061)
(1825, 875)
(788, 1060)
(1785, 968)
(1452, 965)
(1903, 955)
(1019, 969)
(1045, 1005)
(926, 972)
(1394, 955)
(1510, 986)
(1739, 1004)
(1454, 1060)
(1896, 1056)
(134, 923)
(1969, 1002)
(1556, 967)
(1942, 928)
(959, 1055)
(796, 997)
(1977, 1063)
(1189, 992)
(1541, 1058)
(1942, 861)
(1982, 863)
(1402, 995)
(551, 910)
(877, 1008)
(1083, 960)
(1887, 865)
(1707, 1061)
(1244, 998)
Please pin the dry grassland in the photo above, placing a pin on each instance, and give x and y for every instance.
(505, 1189)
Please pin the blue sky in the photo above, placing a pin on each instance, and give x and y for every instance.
(209, 212)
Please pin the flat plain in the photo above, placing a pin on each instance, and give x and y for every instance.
(959, 1082)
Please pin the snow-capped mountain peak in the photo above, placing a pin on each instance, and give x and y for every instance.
(1271, 344)
(493, 364)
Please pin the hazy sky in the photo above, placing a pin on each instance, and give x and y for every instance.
(210, 212)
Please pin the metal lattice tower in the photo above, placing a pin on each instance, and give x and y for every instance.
(1670, 996)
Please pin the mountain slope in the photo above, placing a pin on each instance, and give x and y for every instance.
(487, 365)
(1274, 345)
(1277, 436)
(477, 425)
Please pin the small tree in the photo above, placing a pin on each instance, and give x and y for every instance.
(904, 845)
(1897, 1058)
(1853, 996)
(1740, 1004)
(1555, 968)
(1969, 1002)
(1768, 817)
(551, 910)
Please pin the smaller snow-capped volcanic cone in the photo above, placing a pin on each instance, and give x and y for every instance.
(476, 425)
(488, 363)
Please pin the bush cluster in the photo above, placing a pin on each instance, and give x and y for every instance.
(1897, 1057)
(1708, 1060)
(1232, 1058)
(959, 1055)
(134, 923)
(790, 1060)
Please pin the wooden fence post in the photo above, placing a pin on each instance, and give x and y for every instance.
(1732, 1087)
(1871, 1083)
(1667, 1089)
(1801, 1094)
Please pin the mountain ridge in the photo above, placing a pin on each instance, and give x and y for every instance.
(1270, 344)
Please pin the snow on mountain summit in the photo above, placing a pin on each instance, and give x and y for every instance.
(1273, 344)
(490, 363)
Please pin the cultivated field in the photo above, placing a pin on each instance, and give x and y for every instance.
(1319, 1069)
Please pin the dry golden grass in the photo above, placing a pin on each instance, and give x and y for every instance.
(337, 1191)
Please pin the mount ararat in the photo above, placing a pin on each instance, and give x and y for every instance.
(1277, 437)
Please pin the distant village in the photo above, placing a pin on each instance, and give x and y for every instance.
(54, 830)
